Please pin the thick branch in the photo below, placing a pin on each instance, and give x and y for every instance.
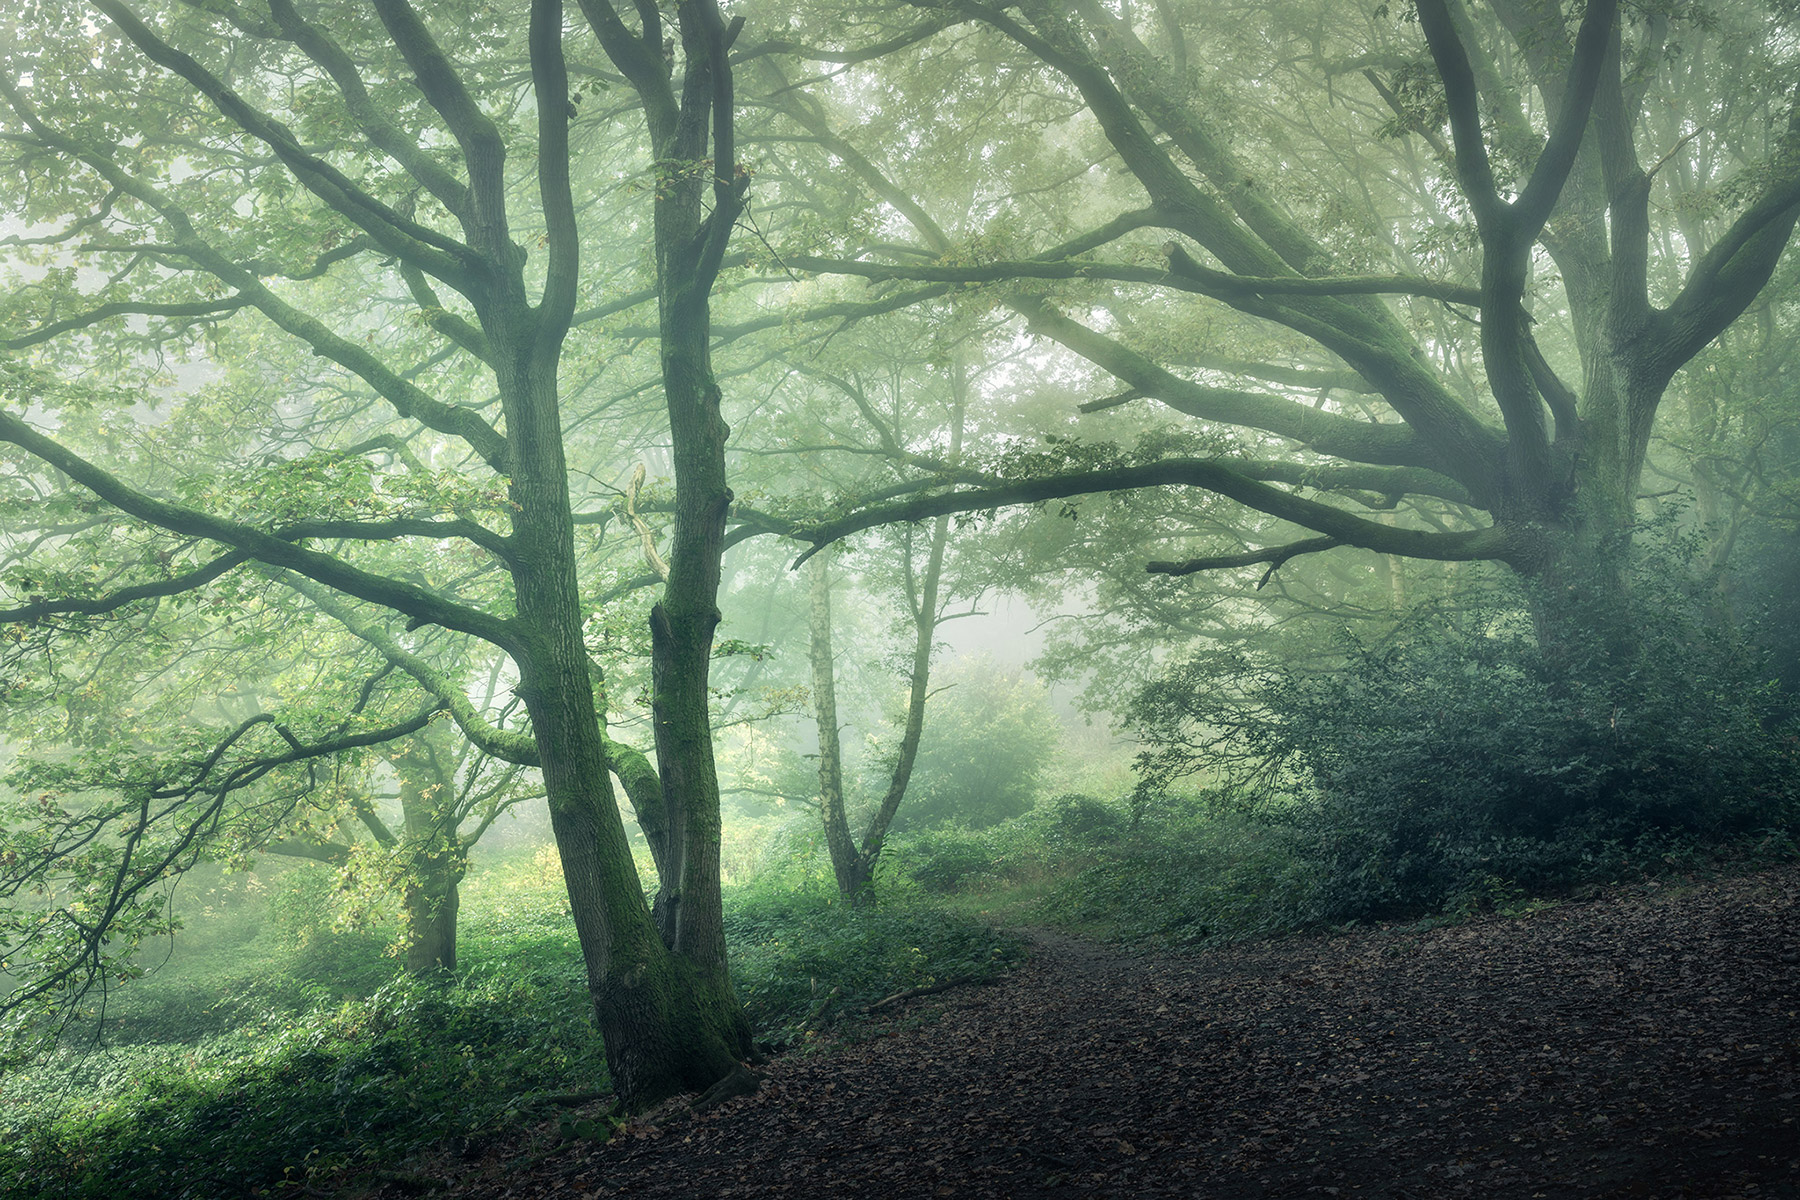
(399, 527)
(1208, 474)
(550, 83)
(318, 45)
(416, 602)
(1184, 275)
(1737, 266)
(408, 400)
(1326, 433)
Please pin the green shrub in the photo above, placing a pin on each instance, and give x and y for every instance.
(1191, 874)
(792, 950)
(253, 1076)
(953, 858)
(342, 1086)
(1458, 759)
(1083, 822)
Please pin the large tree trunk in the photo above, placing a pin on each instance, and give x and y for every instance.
(690, 246)
(681, 642)
(668, 1027)
(1577, 576)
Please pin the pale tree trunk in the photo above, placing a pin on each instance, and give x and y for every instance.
(853, 865)
(847, 863)
(924, 601)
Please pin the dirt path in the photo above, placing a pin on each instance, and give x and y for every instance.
(1642, 1045)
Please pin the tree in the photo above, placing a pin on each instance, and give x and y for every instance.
(425, 859)
(1447, 250)
(199, 166)
(926, 602)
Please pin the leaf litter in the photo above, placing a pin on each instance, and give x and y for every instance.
(1642, 1044)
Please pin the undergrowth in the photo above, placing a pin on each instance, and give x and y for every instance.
(253, 1065)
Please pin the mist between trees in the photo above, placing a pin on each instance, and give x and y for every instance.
(444, 439)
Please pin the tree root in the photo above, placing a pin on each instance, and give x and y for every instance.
(740, 1082)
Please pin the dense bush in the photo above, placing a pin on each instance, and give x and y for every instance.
(800, 955)
(1189, 874)
(1460, 759)
(360, 1082)
(954, 858)
(990, 734)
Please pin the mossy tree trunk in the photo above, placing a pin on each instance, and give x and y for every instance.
(436, 857)
(700, 193)
(666, 1011)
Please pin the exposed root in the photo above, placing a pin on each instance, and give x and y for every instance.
(742, 1081)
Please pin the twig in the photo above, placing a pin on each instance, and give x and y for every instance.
(926, 990)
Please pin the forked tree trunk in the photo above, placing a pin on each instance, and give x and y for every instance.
(854, 865)
(853, 871)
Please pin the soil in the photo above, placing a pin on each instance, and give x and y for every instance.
(1641, 1044)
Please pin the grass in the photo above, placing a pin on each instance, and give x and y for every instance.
(270, 1052)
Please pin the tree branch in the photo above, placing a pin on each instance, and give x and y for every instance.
(434, 253)
(416, 602)
(1184, 275)
(453, 697)
(116, 600)
(1208, 474)
(1275, 556)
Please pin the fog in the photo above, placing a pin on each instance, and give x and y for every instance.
(555, 551)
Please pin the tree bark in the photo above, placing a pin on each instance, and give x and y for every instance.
(853, 871)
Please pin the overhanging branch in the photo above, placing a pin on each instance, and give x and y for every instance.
(128, 595)
(1275, 556)
(1207, 474)
(421, 604)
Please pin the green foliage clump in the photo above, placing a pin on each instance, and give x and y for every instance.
(800, 956)
(954, 858)
(339, 1087)
(256, 1065)
(1465, 758)
(989, 738)
(1187, 873)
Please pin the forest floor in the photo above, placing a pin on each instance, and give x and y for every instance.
(1642, 1044)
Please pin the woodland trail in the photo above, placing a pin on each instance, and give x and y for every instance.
(1644, 1044)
